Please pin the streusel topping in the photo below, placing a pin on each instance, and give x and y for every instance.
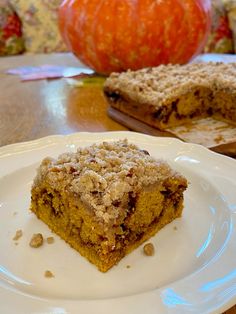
(157, 85)
(104, 175)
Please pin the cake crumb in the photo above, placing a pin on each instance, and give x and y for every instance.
(15, 213)
(18, 235)
(36, 240)
(175, 228)
(149, 249)
(50, 240)
(48, 274)
(128, 266)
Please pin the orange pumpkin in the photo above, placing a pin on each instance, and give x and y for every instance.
(116, 35)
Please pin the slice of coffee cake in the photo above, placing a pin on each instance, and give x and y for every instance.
(107, 199)
(170, 95)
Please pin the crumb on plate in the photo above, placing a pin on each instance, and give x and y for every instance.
(149, 249)
(36, 240)
(48, 274)
(18, 235)
(50, 240)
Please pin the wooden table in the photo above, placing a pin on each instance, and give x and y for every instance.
(30, 110)
(35, 109)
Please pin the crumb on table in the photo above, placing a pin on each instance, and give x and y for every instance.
(175, 228)
(219, 138)
(50, 240)
(36, 240)
(18, 235)
(128, 266)
(48, 274)
(149, 249)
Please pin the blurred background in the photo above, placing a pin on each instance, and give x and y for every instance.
(29, 26)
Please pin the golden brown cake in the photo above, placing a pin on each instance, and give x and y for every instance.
(171, 95)
(107, 199)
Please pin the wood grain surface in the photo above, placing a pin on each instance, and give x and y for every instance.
(30, 110)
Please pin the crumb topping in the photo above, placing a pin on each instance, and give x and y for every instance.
(156, 86)
(104, 175)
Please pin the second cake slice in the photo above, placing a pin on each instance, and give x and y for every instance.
(170, 95)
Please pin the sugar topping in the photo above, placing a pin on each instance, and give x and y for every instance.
(157, 85)
(104, 175)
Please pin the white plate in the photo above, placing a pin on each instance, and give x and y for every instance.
(193, 270)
